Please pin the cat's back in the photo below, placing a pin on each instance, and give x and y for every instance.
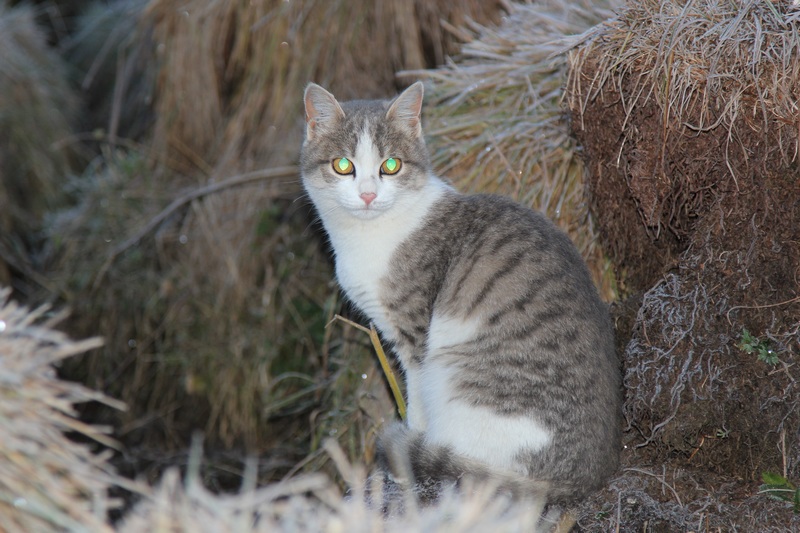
(478, 252)
(498, 291)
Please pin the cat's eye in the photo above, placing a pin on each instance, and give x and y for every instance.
(391, 166)
(342, 165)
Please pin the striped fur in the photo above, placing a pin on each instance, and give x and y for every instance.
(507, 349)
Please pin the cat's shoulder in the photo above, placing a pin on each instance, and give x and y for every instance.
(495, 208)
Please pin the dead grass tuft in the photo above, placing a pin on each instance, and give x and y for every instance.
(680, 83)
(312, 503)
(47, 481)
(37, 109)
(496, 122)
(109, 54)
(706, 64)
(230, 74)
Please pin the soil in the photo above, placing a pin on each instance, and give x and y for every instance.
(704, 228)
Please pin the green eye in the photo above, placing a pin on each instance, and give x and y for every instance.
(342, 165)
(391, 166)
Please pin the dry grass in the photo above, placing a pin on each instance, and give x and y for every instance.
(233, 333)
(109, 55)
(47, 481)
(230, 75)
(677, 102)
(708, 63)
(312, 503)
(37, 109)
(496, 124)
(215, 319)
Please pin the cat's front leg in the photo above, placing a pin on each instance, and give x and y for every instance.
(415, 412)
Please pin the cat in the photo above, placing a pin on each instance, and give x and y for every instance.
(507, 349)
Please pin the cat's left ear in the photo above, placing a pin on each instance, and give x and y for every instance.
(407, 108)
(321, 109)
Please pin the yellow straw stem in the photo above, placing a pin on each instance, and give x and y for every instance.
(387, 370)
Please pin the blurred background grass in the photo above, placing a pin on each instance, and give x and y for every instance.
(214, 321)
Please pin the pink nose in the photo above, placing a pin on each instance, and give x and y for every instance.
(368, 197)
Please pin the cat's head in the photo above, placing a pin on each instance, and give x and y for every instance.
(363, 157)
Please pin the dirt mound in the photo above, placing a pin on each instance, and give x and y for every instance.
(691, 141)
(687, 118)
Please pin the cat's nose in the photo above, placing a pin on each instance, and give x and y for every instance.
(368, 197)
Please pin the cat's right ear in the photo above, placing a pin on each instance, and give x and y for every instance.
(321, 109)
(407, 107)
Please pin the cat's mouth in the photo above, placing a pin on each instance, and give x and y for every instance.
(366, 212)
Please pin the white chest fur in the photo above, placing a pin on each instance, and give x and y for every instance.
(364, 248)
(362, 260)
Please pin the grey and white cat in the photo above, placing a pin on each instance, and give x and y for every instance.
(507, 349)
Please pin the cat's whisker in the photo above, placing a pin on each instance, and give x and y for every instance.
(304, 197)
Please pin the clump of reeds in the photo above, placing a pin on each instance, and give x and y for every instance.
(231, 76)
(48, 482)
(37, 108)
(311, 502)
(496, 124)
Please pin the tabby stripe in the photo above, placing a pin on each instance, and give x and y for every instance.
(501, 243)
(407, 336)
(510, 266)
(476, 243)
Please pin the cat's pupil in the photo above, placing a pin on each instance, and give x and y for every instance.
(344, 164)
(391, 164)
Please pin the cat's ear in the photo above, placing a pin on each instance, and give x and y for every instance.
(321, 109)
(407, 108)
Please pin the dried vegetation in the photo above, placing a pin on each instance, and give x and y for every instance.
(48, 482)
(310, 502)
(188, 249)
(688, 115)
(37, 112)
(692, 88)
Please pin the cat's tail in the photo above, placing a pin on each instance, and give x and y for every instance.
(426, 469)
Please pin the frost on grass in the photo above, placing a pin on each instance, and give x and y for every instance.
(668, 315)
(311, 502)
(48, 482)
(694, 393)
